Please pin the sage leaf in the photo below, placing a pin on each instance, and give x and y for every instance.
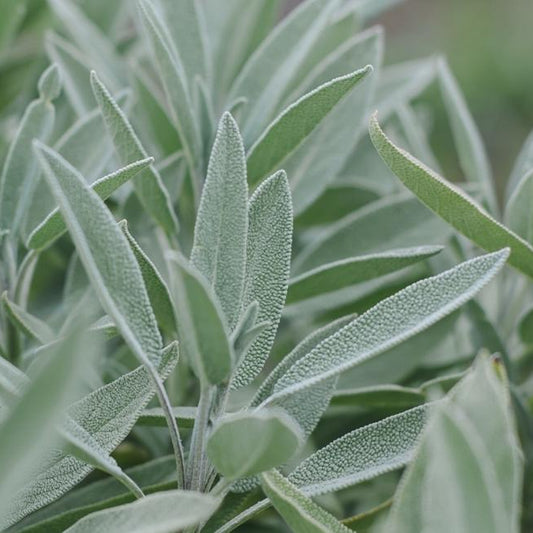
(247, 443)
(53, 226)
(219, 248)
(450, 203)
(148, 185)
(518, 212)
(301, 513)
(163, 512)
(202, 330)
(523, 164)
(267, 267)
(155, 416)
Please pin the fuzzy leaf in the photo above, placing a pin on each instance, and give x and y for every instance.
(391, 322)
(267, 266)
(301, 513)
(346, 272)
(247, 443)
(450, 203)
(53, 226)
(148, 185)
(163, 512)
(219, 249)
(295, 123)
(518, 212)
(202, 330)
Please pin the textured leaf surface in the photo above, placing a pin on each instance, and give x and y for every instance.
(248, 443)
(164, 512)
(300, 512)
(449, 202)
(267, 266)
(219, 249)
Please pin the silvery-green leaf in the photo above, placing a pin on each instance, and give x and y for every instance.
(250, 442)
(472, 156)
(27, 323)
(267, 266)
(388, 224)
(90, 38)
(300, 512)
(148, 185)
(370, 9)
(467, 473)
(345, 272)
(289, 129)
(391, 322)
(154, 416)
(378, 397)
(28, 432)
(202, 329)
(107, 414)
(518, 211)
(267, 74)
(450, 203)
(20, 170)
(74, 72)
(219, 248)
(523, 164)
(362, 454)
(163, 512)
(53, 226)
(172, 75)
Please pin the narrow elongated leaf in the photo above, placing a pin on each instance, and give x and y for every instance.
(20, 171)
(391, 322)
(107, 414)
(450, 203)
(163, 512)
(301, 513)
(267, 267)
(202, 330)
(155, 417)
(472, 156)
(346, 272)
(362, 454)
(248, 443)
(379, 397)
(523, 164)
(219, 249)
(370, 9)
(518, 212)
(470, 448)
(295, 123)
(148, 185)
(53, 226)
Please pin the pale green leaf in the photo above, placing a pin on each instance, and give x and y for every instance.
(450, 203)
(202, 330)
(378, 397)
(523, 164)
(300, 512)
(518, 211)
(148, 185)
(219, 249)
(267, 266)
(250, 442)
(155, 416)
(13, 12)
(163, 512)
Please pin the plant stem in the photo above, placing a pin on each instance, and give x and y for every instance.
(198, 440)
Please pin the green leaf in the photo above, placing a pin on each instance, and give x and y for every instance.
(171, 72)
(20, 171)
(148, 185)
(518, 212)
(13, 12)
(219, 249)
(370, 9)
(97, 237)
(250, 442)
(391, 322)
(155, 416)
(472, 156)
(378, 397)
(156, 287)
(450, 203)
(523, 164)
(301, 513)
(346, 272)
(163, 512)
(362, 454)
(295, 123)
(53, 226)
(107, 414)
(470, 458)
(267, 267)
(525, 327)
(27, 323)
(202, 330)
